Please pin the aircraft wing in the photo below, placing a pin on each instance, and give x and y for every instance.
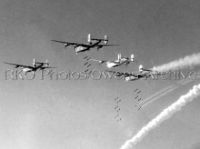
(71, 43)
(99, 61)
(50, 67)
(64, 42)
(19, 65)
(108, 45)
(46, 67)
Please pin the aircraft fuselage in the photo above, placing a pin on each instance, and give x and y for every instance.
(116, 63)
(80, 48)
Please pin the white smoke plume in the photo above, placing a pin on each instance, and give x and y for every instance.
(164, 115)
(187, 61)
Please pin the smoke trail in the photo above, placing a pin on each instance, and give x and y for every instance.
(164, 115)
(164, 92)
(160, 92)
(187, 61)
(146, 102)
(157, 93)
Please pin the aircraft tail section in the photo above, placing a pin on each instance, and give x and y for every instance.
(140, 68)
(34, 62)
(119, 56)
(105, 39)
(89, 38)
(47, 62)
(132, 57)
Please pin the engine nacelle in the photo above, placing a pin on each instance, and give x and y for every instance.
(65, 45)
(99, 47)
(130, 78)
(26, 70)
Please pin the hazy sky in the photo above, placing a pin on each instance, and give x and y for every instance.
(79, 114)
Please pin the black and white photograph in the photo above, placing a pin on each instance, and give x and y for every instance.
(100, 74)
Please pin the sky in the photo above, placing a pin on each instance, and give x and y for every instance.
(79, 114)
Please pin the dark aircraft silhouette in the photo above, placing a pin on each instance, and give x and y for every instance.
(118, 62)
(143, 73)
(92, 43)
(28, 68)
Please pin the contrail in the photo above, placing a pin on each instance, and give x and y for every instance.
(164, 115)
(187, 61)
(164, 92)
(146, 102)
(158, 93)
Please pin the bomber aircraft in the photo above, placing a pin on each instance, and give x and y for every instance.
(83, 47)
(118, 62)
(35, 66)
